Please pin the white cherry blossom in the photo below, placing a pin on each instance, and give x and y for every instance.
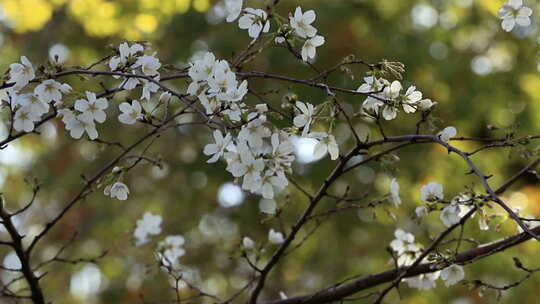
(275, 237)
(403, 242)
(150, 224)
(452, 274)
(93, 106)
(51, 90)
(172, 249)
(203, 68)
(424, 281)
(149, 65)
(371, 85)
(255, 21)
(233, 9)
(217, 149)
(450, 215)
(411, 99)
(126, 52)
(431, 192)
(301, 23)
(270, 181)
(21, 73)
(58, 54)
(149, 87)
(37, 106)
(326, 144)
(391, 92)
(421, 211)
(24, 119)
(80, 124)
(234, 93)
(254, 132)
(130, 112)
(426, 104)
(513, 12)
(309, 49)
(117, 190)
(305, 117)
(447, 133)
(247, 243)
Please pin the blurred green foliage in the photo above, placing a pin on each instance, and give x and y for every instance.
(455, 53)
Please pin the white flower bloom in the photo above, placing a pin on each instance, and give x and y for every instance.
(21, 73)
(305, 118)
(371, 105)
(275, 237)
(411, 99)
(149, 87)
(421, 211)
(447, 133)
(67, 115)
(371, 84)
(326, 143)
(247, 243)
(309, 48)
(410, 256)
(255, 21)
(403, 242)
(130, 83)
(408, 252)
(36, 106)
(223, 80)
(282, 152)
(171, 249)
(431, 192)
(513, 12)
(149, 65)
(150, 224)
(58, 53)
(234, 94)
(394, 192)
(424, 281)
(80, 124)
(253, 169)
(301, 23)
(24, 119)
(269, 182)
(51, 90)
(254, 132)
(126, 52)
(391, 92)
(450, 215)
(130, 112)
(117, 190)
(93, 106)
(426, 104)
(233, 9)
(452, 274)
(217, 149)
(202, 69)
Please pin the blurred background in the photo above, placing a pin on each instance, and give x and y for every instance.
(455, 52)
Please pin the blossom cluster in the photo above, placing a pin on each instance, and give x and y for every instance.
(260, 154)
(385, 98)
(408, 252)
(30, 104)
